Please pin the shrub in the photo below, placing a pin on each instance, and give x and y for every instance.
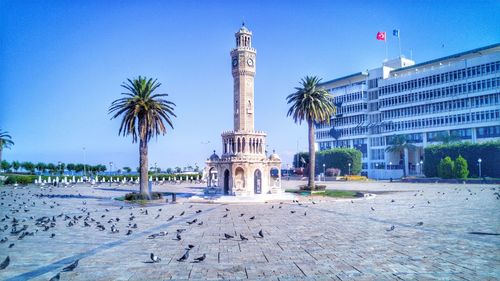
(140, 196)
(461, 170)
(445, 168)
(489, 152)
(335, 157)
(316, 187)
(20, 179)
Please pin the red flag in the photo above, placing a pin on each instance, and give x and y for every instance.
(381, 35)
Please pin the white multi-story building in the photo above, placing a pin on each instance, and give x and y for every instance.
(457, 95)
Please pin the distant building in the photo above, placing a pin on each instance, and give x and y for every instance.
(457, 95)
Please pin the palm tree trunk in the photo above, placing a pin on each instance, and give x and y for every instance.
(405, 162)
(143, 164)
(1, 148)
(312, 155)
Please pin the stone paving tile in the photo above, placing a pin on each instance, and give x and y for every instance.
(336, 240)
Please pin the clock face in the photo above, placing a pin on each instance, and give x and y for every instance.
(235, 62)
(250, 62)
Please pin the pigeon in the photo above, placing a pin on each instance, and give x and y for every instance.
(261, 234)
(4, 240)
(184, 257)
(191, 222)
(5, 263)
(227, 210)
(171, 218)
(134, 225)
(190, 246)
(11, 245)
(420, 223)
(56, 277)
(157, 216)
(181, 214)
(70, 267)
(242, 214)
(243, 238)
(200, 223)
(199, 211)
(154, 258)
(200, 259)
(305, 213)
(224, 216)
(293, 212)
(373, 209)
(391, 229)
(252, 217)
(392, 201)
(178, 237)
(52, 235)
(228, 236)
(129, 232)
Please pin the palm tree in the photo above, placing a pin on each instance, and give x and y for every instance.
(312, 104)
(5, 141)
(144, 115)
(401, 144)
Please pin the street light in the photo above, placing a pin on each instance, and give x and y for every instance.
(349, 168)
(421, 167)
(324, 172)
(479, 163)
(84, 165)
(390, 165)
(110, 170)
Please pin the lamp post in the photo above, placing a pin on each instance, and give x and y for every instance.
(376, 168)
(421, 167)
(324, 172)
(479, 163)
(349, 168)
(390, 164)
(84, 165)
(110, 170)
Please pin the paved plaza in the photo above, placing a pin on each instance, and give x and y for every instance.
(404, 232)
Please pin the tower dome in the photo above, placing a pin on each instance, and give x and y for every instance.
(274, 156)
(214, 157)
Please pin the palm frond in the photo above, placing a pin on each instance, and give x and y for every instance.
(144, 113)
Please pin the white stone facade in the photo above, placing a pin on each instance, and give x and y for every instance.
(243, 169)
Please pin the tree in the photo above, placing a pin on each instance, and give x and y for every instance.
(70, 167)
(41, 167)
(178, 169)
(78, 168)
(461, 170)
(445, 168)
(312, 104)
(51, 167)
(5, 165)
(401, 144)
(28, 166)
(127, 169)
(169, 171)
(144, 115)
(5, 141)
(16, 165)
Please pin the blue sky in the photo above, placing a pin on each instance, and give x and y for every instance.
(62, 63)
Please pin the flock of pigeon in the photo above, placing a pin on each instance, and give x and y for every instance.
(19, 220)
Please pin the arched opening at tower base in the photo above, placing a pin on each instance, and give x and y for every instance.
(226, 182)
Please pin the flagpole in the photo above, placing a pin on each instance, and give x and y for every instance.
(386, 48)
(399, 43)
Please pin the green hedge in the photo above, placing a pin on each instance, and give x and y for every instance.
(28, 179)
(335, 158)
(489, 152)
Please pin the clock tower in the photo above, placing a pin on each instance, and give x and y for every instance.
(243, 70)
(244, 168)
